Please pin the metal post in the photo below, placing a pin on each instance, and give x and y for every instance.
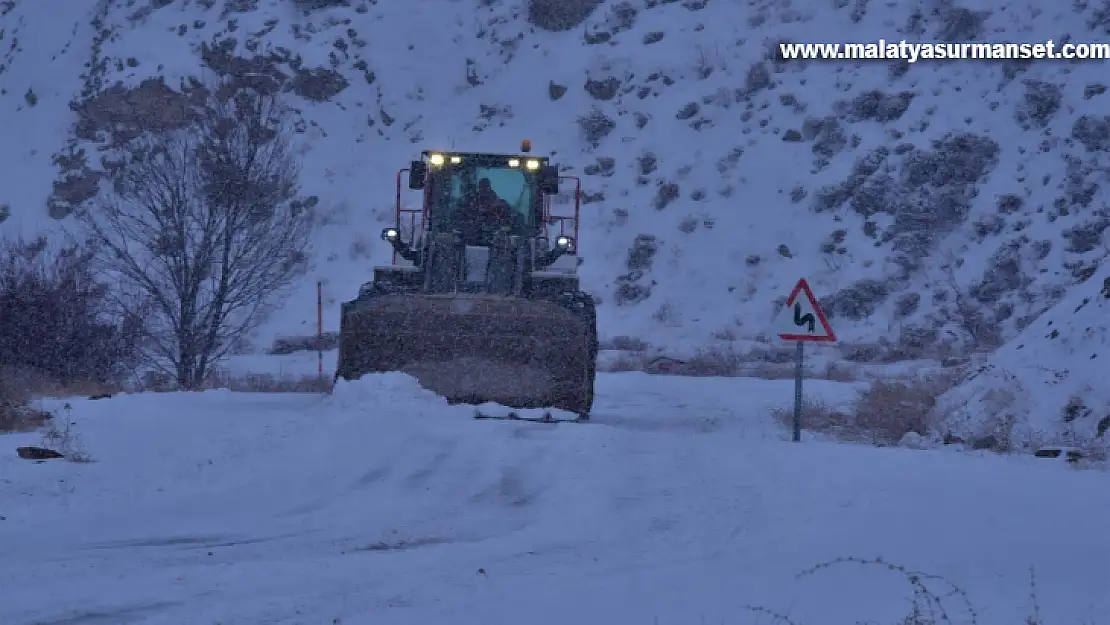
(798, 375)
(320, 329)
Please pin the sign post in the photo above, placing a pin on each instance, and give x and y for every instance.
(320, 331)
(805, 322)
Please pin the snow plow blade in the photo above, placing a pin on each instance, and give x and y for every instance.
(546, 417)
(475, 348)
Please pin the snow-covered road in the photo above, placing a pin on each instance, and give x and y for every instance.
(681, 503)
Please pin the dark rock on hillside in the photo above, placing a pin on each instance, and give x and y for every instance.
(319, 85)
(557, 15)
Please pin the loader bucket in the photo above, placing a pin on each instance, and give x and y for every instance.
(474, 349)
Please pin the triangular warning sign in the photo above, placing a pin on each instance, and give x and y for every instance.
(803, 319)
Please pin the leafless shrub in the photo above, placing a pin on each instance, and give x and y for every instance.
(205, 230)
(54, 317)
(59, 434)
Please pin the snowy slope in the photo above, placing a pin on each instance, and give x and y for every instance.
(777, 170)
(42, 54)
(1047, 385)
(381, 505)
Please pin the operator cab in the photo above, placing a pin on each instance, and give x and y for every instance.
(453, 183)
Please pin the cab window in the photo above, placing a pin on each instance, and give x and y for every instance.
(453, 187)
(513, 186)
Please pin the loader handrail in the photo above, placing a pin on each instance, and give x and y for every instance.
(550, 218)
(410, 212)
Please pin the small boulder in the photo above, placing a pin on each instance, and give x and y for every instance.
(37, 453)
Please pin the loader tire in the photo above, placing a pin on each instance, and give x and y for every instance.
(584, 306)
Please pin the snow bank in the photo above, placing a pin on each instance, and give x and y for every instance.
(1046, 385)
(393, 390)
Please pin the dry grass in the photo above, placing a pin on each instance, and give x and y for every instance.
(768, 371)
(625, 343)
(890, 409)
(245, 383)
(269, 383)
(36, 385)
(817, 416)
(833, 371)
(840, 372)
(625, 361)
(717, 361)
(882, 415)
(16, 415)
(728, 361)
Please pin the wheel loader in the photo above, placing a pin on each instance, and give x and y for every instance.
(480, 313)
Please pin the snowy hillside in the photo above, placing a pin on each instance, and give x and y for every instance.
(677, 505)
(1046, 386)
(938, 202)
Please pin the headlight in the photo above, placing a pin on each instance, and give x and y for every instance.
(513, 162)
(564, 243)
(436, 159)
(532, 165)
(391, 234)
(455, 160)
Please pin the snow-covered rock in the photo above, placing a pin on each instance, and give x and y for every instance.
(913, 440)
(1046, 386)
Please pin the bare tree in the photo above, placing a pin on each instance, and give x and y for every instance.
(205, 231)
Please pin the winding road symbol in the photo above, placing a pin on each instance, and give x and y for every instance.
(806, 319)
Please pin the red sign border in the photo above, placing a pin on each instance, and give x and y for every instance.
(803, 287)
